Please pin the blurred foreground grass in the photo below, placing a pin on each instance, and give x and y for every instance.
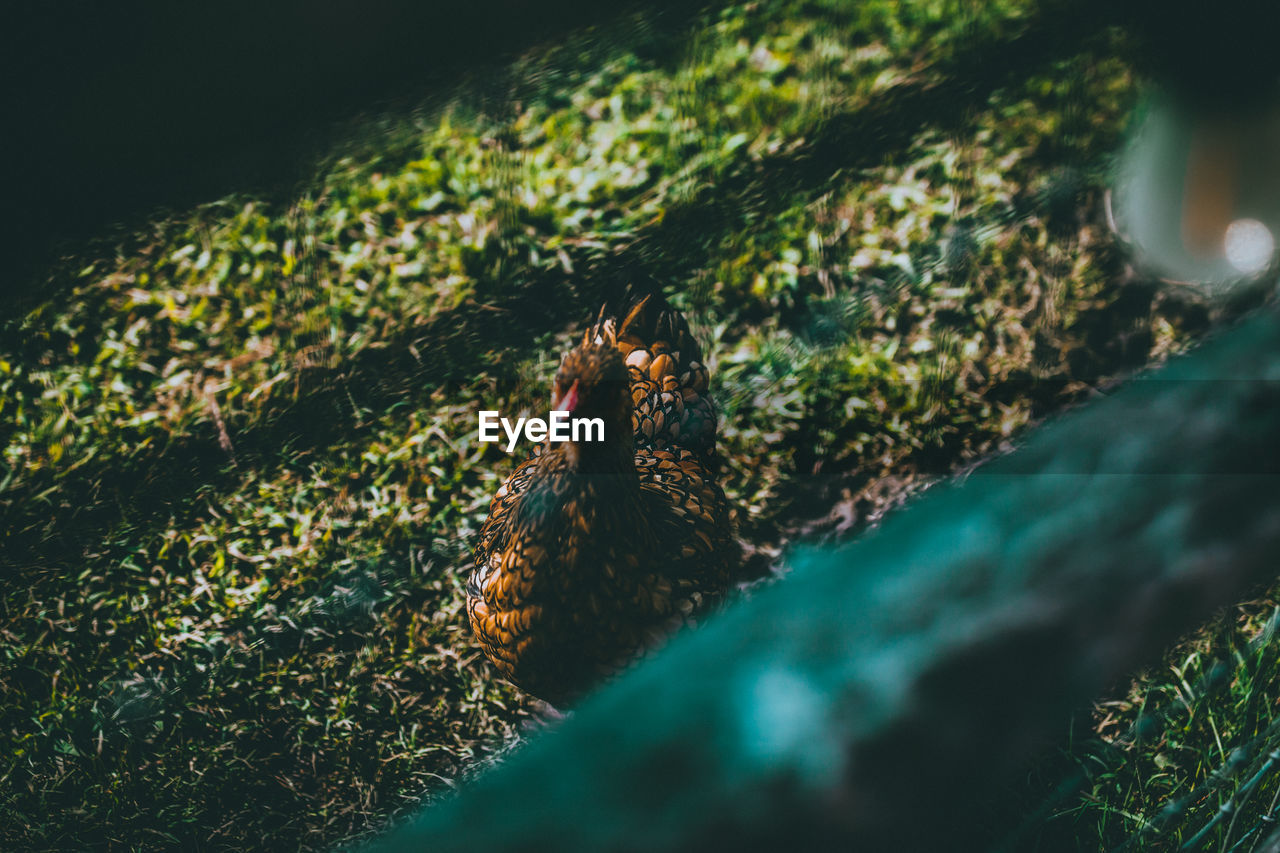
(241, 475)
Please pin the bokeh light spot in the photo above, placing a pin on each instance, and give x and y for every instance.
(1249, 245)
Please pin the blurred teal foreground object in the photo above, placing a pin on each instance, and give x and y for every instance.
(865, 702)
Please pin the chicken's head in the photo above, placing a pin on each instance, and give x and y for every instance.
(593, 383)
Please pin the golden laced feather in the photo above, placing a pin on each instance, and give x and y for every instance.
(593, 552)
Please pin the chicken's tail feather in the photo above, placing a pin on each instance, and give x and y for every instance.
(642, 317)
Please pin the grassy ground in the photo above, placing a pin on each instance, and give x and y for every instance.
(241, 473)
(1183, 757)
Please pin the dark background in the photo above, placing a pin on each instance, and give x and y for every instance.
(114, 110)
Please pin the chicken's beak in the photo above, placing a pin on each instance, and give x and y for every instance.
(568, 400)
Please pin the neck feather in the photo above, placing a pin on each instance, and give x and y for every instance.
(615, 454)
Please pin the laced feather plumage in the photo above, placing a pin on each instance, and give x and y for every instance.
(595, 551)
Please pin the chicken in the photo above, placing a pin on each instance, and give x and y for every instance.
(594, 551)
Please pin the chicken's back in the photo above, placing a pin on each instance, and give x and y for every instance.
(576, 574)
(669, 382)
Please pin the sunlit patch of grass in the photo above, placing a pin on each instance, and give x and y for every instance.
(230, 302)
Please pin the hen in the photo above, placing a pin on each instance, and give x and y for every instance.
(595, 551)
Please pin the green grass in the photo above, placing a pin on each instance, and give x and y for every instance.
(1180, 758)
(242, 478)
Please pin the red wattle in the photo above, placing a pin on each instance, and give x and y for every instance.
(568, 400)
